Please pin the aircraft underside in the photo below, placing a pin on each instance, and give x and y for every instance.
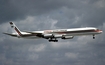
(55, 38)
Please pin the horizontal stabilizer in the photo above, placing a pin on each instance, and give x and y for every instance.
(10, 34)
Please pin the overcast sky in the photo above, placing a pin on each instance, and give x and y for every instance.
(31, 15)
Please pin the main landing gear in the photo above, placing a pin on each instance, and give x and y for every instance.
(53, 40)
(93, 36)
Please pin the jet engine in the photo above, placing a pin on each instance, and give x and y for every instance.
(48, 35)
(67, 37)
(57, 36)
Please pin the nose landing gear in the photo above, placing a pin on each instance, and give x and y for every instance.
(93, 36)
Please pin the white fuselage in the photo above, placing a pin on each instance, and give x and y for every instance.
(53, 34)
(75, 31)
(68, 32)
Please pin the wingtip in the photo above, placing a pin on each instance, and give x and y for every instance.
(4, 33)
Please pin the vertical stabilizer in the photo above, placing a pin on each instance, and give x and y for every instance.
(15, 29)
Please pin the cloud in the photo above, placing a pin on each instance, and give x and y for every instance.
(71, 55)
(37, 48)
(16, 10)
(31, 15)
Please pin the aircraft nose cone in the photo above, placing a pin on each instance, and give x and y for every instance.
(101, 31)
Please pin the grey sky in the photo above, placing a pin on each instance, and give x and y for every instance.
(52, 14)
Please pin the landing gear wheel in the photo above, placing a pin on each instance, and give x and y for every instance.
(56, 40)
(53, 40)
(93, 36)
(50, 40)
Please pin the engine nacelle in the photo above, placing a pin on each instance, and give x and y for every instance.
(58, 36)
(67, 37)
(48, 35)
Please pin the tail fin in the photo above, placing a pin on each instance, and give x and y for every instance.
(15, 29)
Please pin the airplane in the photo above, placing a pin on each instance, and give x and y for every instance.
(53, 35)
